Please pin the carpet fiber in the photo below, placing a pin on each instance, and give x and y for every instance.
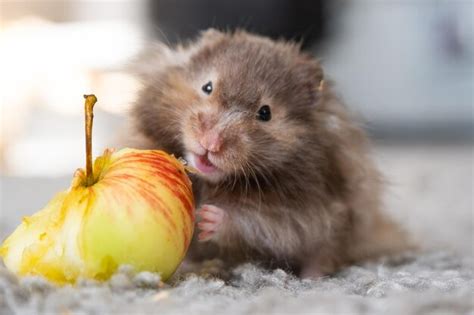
(430, 194)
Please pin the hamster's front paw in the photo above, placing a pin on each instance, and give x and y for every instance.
(212, 219)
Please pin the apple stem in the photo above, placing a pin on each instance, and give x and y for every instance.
(90, 101)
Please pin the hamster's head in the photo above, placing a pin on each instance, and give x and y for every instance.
(239, 105)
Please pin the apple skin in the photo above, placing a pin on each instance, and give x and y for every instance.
(139, 211)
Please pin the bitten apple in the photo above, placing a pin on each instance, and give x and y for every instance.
(131, 207)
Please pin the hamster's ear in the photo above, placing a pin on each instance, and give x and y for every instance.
(310, 75)
(210, 36)
(310, 70)
(153, 59)
(157, 56)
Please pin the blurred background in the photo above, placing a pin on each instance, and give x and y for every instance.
(405, 66)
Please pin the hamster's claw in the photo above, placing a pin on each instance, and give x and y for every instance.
(211, 220)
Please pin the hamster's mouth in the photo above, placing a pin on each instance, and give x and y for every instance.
(203, 164)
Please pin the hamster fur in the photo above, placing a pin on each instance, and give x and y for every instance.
(290, 184)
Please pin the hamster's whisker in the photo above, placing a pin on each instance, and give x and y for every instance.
(254, 175)
(261, 172)
(234, 175)
(263, 169)
(247, 181)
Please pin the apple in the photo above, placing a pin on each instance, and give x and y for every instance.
(131, 207)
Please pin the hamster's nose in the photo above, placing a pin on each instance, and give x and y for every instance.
(211, 141)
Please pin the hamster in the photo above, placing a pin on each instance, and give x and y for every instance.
(285, 178)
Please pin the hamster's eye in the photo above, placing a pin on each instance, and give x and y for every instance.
(264, 113)
(207, 88)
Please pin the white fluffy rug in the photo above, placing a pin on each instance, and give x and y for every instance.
(431, 194)
(434, 283)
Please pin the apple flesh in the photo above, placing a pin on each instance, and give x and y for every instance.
(137, 211)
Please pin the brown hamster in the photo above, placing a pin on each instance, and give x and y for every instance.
(285, 177)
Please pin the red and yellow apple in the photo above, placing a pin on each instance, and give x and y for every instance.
(133, 207)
